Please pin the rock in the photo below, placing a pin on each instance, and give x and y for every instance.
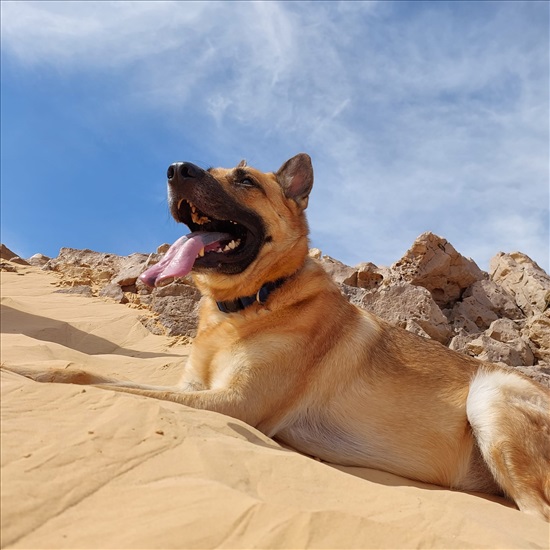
(8, 267)
(10, 256)
(39, 260)
(409, 307)
(130, 269)
(501, 343)
(353, 294)
(116, 277)
(85, 266)
(114, 292)
(81, 290)
(434, 264)
(537, 330)
(163, 248)
(495, 298)
(6, 253)
(341, 273)
(315, 253)
(177, 308)
(370, 276)
(481, 304)
(523, 279)
(432, 291)
(180, 287)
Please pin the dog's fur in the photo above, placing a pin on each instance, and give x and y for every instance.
(315, 372)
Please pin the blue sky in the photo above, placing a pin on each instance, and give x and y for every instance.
(419, 116)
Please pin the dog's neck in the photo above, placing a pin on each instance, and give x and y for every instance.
(238, 304)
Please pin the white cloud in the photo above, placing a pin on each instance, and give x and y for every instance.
(434, 119)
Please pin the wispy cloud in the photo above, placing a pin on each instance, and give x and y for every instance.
(419, 116)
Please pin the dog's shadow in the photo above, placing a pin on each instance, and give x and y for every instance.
(392, 480)
(15, 321)
(368, 474)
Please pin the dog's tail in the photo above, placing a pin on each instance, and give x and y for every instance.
(510, 418)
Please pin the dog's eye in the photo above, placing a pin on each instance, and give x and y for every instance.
(247, 182)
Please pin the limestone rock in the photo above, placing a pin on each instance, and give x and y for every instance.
(495, 298)
(7, 266)
(177, 308)
(523, 279)
(80, 290)
(85, 266)
(10, 256)
(130, 269)
(537, 330)
(432, 291)
(501, 343)
(481, 304)
(315, 253)
(114, 292)
(370, 276)
(341, 273)
(434, 264)
(39, 260)
(410, 307)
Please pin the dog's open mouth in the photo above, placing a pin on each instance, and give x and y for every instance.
(234, 233)
(222, 244)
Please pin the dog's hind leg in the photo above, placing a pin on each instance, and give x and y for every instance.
(510, 418)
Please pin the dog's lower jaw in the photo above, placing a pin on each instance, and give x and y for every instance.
(221, 287)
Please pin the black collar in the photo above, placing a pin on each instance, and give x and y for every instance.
(232, 306)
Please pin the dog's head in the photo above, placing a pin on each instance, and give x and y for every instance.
(247, 227)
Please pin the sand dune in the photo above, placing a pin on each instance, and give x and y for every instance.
(88, 468)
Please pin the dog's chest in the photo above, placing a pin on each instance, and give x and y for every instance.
(211, 368)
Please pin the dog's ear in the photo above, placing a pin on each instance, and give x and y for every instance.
(242, 164)
(295, 176)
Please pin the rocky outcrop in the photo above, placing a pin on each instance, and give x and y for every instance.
(168, 303)
(10, 256)
(501, 316)
(410, 307)
(434, 264)
(523, 279)
(170, 310)
(38, 260)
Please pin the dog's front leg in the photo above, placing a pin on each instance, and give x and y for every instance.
(59, 375)
(229, 401)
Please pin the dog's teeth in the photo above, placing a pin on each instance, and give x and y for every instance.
(201, 253)
(231, 246)
(179, 203)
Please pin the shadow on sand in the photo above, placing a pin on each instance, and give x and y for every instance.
(15, 321)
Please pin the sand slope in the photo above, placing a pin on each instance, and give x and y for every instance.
(88, 468)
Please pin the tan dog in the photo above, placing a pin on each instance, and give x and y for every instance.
(280, 348)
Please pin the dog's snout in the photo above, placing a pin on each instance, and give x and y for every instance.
(184, 170)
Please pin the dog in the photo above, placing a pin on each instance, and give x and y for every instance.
(280, 348)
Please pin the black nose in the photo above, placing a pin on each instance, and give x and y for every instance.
(183, 170)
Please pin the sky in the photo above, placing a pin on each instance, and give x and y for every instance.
(418, 116)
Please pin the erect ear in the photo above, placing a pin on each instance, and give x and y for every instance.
(295, 176)
(242, 164)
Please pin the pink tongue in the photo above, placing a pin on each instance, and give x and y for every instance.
(181, 256)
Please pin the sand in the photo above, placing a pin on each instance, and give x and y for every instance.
(84, 467)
